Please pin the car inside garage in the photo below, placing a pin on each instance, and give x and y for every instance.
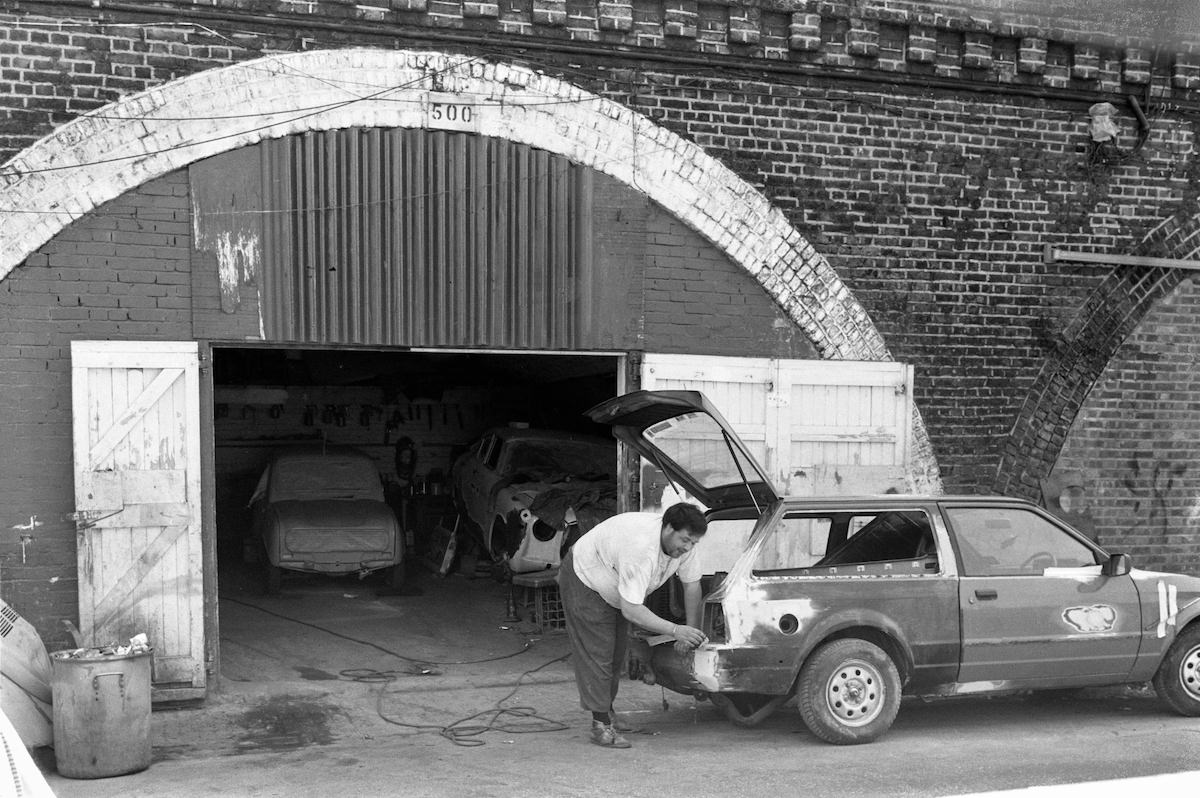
(413, 413)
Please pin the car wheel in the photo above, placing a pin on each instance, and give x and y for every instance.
(849, 692)
(274, 579)
(746, 710)
(1177, 681)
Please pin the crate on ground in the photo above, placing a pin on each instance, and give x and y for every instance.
(535, 597)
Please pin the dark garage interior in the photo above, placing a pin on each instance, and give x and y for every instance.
(434, 403)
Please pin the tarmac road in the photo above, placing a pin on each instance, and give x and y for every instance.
(333, 741)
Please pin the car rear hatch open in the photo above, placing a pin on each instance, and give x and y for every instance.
(684, 435)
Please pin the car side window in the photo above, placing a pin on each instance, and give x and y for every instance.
(1002, 541)
(800, 543)
(884, 537)
(796, 542)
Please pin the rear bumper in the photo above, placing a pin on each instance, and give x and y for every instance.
(362, 566)
(714, 668)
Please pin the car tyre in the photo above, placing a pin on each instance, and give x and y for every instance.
(746, 710)
(849, 692)
(1177, 681)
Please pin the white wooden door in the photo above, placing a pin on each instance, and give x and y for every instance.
(137, 500)
(846, 427)
(818, 427)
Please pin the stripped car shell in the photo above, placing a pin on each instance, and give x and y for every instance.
(845, 603)
(517, 484)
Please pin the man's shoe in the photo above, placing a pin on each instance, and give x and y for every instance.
(605, 735)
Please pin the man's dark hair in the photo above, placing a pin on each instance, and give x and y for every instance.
(686, 516)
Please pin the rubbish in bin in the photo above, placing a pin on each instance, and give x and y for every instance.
(138, 644)
(102, 709)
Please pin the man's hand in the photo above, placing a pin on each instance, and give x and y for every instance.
(687, 638)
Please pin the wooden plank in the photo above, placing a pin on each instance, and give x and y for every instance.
(122, 354)
(129, 417)
(136, 570)
(143, 515)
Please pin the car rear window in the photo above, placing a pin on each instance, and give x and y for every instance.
(321, 478)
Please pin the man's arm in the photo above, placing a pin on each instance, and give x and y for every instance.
(687, 634)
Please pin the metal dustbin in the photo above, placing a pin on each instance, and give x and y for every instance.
(101, 706)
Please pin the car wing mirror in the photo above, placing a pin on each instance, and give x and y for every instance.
(1117, 565)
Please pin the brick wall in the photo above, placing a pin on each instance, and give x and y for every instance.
(1135, 440)
(697, 302)
(932, 203)
(122, 273)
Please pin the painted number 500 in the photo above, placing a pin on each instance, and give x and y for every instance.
(452, 113)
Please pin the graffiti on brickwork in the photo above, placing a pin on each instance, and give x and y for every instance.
(1153, 486)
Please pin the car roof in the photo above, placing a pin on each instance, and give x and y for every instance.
(309, 452)
(901, 500)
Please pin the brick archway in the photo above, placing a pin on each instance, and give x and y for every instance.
(98, 157)
(1108, 317)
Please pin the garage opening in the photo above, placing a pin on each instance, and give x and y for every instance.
(412, 414)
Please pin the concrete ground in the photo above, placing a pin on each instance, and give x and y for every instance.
(333, 689)
(336, 664)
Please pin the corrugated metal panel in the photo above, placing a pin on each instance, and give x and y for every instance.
(422, 238)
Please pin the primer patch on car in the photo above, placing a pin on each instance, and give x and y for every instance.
(753, 611)
(1096, 618)
(1168, 607)
(705, 662)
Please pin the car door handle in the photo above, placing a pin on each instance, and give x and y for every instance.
(986, 595)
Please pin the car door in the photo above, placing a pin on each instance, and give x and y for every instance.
(476, 481)
(1035, 607)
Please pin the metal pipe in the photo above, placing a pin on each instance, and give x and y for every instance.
(621, 53)
(1054, 255)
